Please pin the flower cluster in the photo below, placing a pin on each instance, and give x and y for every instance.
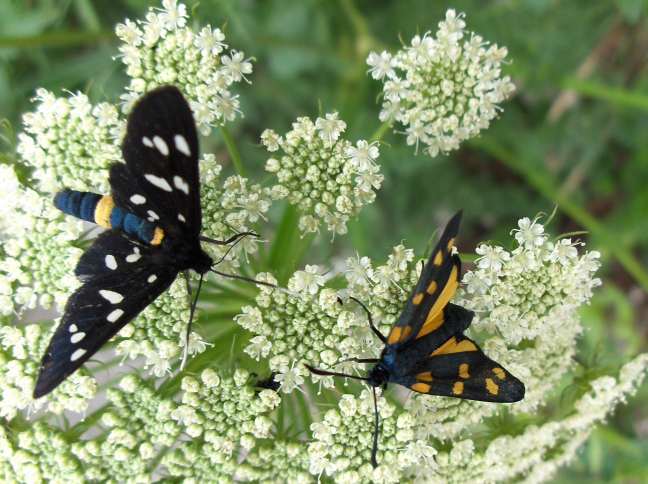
(442, 89)
(236, 207)
(310, 324)
(69, 142)
(325, 176)
(266, 463)
(212, 400)
(343, 441)
(163, 50)
(20, 348)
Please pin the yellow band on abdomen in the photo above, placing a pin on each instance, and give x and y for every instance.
(103, 210)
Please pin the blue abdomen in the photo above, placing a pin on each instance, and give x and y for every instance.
(101, 210)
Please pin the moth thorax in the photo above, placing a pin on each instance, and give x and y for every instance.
(378, 376)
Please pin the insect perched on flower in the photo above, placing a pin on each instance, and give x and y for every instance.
(154, 217)
(426, 350)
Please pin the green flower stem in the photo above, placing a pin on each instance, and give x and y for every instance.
(75, 432)
(55, 39)
(545, 187)
(233, 151)
(380, 132)
(613, 95)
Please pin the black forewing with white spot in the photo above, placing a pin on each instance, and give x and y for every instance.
(120, 278)
(160, 180)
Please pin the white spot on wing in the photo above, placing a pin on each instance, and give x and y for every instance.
(76, 337)
(159, 182)
(77, 354)
(151, 279)
(181, 218)
(161, 145)
(181, 144)
(147, 142)
(135, 256)
(138, 199)
(111, 296)
(73, 328)
(111, 263)
(114, 315)
(180, 184)
(152, 216)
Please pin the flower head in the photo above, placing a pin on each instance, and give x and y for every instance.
(324, 175)
(442, 89)
(163, 50)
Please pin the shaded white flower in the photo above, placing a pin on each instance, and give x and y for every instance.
(381, 65)
(307, 281)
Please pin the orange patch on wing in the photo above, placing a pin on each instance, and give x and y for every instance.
(431, 289)
(438, 259)
(421, 387)
(425, 376)
(452, 346)
(451, 244)
(398, 334)
(430, 325)
(446, 294)
(417, 299)
(499, 373)
(491, 386)
(463, 371)
(457, 388)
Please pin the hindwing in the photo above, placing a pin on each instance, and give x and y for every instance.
(120, 278)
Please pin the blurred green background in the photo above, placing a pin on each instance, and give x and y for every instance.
(574, 135)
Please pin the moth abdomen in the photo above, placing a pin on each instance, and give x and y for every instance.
(101, 210)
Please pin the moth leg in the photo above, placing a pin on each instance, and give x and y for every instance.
(194, 302)
(371, 323)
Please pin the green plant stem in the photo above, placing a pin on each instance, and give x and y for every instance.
(614, 95)
(55, 39)
(545, 187)
(76, 431)
(380, 132)
(233, 151)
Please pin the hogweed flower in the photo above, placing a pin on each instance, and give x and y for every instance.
(443, 89)
(325, 176)
(163, 50)
(70, 142)
(353, 422)
(19, 365)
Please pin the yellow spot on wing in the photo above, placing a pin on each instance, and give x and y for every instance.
(499, 373)
(431, 289)
(463, 371)
(451, 244)
(158, 235)
(451, 346)
(425, 376)
(418, 298)
(103, 210)
(421, 387)
(491, 386)
(457, 388)
(398, 334)
(431, 325)
(438, 258)
(446, 294)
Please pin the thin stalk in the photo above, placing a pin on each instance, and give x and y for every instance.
(233, 151)
(380, 132)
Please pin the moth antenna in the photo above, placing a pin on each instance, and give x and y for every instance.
(359, 360)
(317, 371)
(243, 278)
(233, 238)
(185, 353)
(371, 323)
(229, 249)
(374, 449)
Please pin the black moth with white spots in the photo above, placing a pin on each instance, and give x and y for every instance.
(121, 273)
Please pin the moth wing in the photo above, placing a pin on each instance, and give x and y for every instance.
(459, 368)
(120, 279)
(437, 284)
(160, 180)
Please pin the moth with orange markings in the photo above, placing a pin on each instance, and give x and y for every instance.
(426, 350)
